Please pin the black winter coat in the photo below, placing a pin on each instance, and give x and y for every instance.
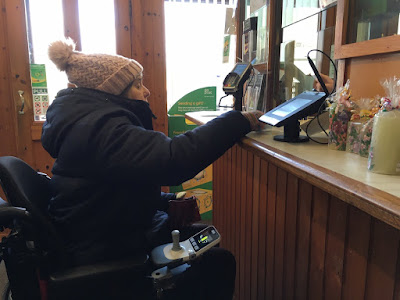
(110, 166)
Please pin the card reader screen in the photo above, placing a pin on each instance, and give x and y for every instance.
(239, 69)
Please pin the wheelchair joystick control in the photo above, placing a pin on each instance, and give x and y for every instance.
(177, 253)
(175, 241)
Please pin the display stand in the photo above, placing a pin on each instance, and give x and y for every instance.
(291, 133)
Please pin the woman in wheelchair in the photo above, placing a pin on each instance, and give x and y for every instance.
(110, 166)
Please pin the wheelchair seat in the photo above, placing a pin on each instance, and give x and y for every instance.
(34, 252)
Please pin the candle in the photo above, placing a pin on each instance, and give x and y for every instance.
(384, 154)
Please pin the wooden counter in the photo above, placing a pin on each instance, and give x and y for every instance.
(306, 222)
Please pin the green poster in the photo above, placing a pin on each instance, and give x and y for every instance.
(227, 45)
(197, 100)
(38, 75)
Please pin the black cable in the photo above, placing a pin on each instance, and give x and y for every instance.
(244, 94)
(334, 66)
(317, 117)
(324, 87)
(225, 106)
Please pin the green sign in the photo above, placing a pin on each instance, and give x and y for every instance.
(198, 100)
(38, 75)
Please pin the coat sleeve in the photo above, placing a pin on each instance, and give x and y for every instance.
(129, 152)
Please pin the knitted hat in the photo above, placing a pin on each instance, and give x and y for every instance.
(108, 73)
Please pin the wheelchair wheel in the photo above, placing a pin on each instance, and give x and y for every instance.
(7, 292)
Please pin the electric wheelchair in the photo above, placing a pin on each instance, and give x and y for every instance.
(34, 254)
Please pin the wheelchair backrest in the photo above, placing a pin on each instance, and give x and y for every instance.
(31, 238)
(24, 187)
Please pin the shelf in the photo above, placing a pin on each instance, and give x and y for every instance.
(377, 46)
(388, 44)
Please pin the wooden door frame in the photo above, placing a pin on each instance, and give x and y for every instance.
(135, 22)
(147, 32)
(16, 58)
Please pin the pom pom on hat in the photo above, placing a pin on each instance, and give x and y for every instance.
(108, 73)
(60, 52)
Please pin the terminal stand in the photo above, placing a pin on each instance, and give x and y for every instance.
(291, 133)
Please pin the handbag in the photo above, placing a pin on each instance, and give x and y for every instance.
(183, 212)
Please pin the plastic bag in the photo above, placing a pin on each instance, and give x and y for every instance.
(360, 126)
(365, 137)
(339, 116)
(353, 142)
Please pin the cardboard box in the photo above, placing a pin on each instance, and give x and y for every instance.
(201, 184)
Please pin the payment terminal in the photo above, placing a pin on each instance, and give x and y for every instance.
(234, 81)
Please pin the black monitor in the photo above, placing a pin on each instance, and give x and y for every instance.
(290, 112)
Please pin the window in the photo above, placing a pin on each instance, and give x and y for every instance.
(44, 21)
(296, 10)
(45, 25)
(97, 29)
(195, 32)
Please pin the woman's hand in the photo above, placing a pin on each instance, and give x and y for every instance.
(329, 83)
(252, 117)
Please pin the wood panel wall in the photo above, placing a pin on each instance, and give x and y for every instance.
(7, 107)
(293, 240)
(366, 73)
(15, 139)
(148, 47)
(365, 63)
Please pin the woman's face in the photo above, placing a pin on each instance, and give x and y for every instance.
(137, 91)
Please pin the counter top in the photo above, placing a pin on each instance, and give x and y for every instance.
(342, 174)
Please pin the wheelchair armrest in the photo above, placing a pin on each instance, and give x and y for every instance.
(8, 213)
(97, 276)
(136, 264)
